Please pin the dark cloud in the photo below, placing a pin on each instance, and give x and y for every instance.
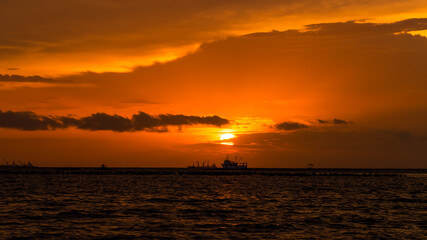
(27, 121)
(143, 120)
(291, 126)
(18, 78)
(362, 29)
(170, 119)
(333, 121)
(288, 126)
(102, 121)
(339, 121)
(12, 69)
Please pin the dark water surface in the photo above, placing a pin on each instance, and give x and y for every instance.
(70, 206)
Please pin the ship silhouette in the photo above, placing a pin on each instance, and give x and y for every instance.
(236, 164)
(203, 166)
(226, 164)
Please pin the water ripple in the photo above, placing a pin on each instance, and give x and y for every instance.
(214, 207)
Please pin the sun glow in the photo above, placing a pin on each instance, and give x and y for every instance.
(227, 136)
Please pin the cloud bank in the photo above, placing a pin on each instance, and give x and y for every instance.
(94, 31)
(291, 126)
(18, 78)
(141, 121)
(335, 121)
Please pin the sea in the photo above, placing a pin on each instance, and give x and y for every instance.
(185, 204)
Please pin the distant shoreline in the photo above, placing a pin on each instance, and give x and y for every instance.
(218, 171)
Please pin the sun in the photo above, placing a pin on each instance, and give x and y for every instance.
(227, 136)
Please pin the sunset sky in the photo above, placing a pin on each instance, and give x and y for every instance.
(337, 83)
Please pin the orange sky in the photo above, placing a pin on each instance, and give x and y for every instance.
(334, 83)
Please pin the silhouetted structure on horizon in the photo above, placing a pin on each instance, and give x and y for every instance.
(230, 164)
(14, 165)
(213, 166)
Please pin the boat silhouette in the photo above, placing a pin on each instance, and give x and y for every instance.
(236, 164)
